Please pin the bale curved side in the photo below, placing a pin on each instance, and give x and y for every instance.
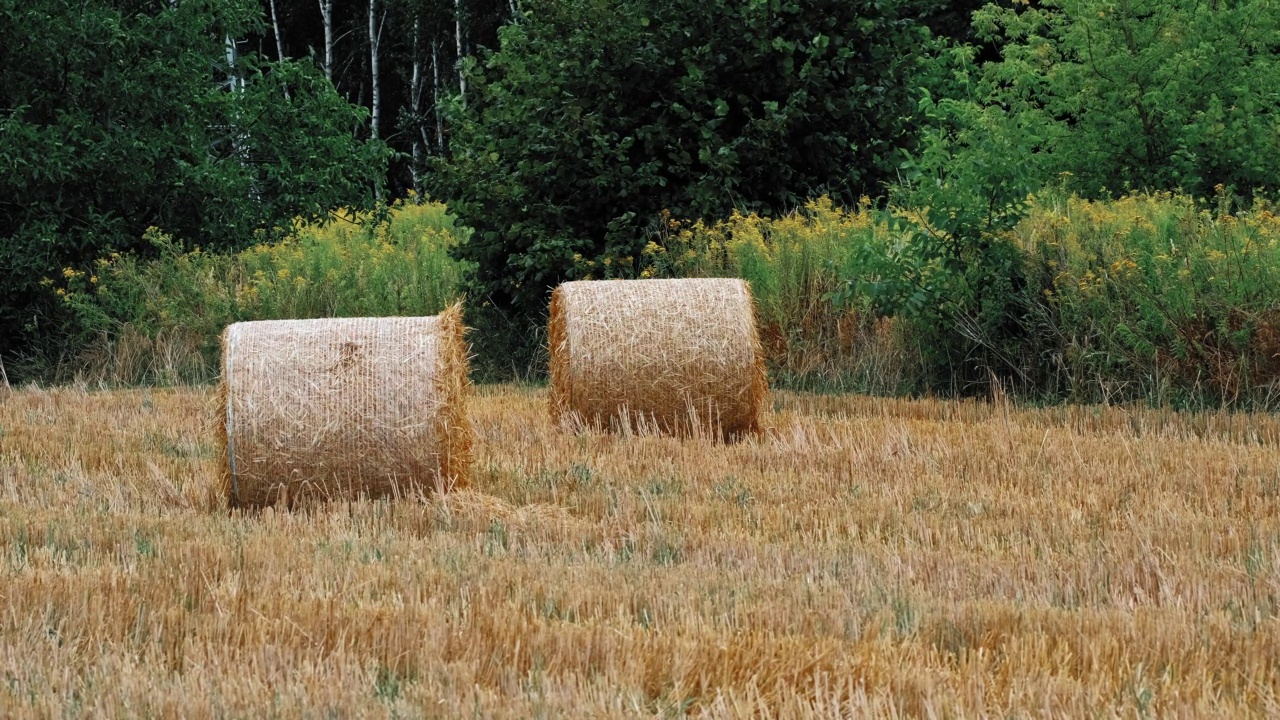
(759, 392)
(343, 408)
(676, 356)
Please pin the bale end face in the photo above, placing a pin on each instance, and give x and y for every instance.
(560, 385)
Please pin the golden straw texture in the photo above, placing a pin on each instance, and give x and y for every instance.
(674, 356)
(344, 408)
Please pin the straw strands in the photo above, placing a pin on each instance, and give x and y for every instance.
(344, 408)
(678, 356)
(866, 557)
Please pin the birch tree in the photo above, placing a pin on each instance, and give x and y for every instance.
(418, 131)
(435, 94)
(457, 34)
(326, 14)
(161, 141)
(375, 85)
(275, 30)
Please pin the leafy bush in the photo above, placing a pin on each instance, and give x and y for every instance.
(796, 265)
(1153, 297)
(357, 264)
(951, 271)
(1142, 94)
(595, 115)
(1157, 297)
(117, 116)
(159, 320)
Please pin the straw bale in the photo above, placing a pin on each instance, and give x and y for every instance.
(674, 356)
(343, 408)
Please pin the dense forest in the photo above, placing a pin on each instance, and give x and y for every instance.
(567, 137)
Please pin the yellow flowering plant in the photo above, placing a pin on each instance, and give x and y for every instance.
(392, 262)
(1168, 296)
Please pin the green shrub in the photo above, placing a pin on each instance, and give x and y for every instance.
(357, 264)
(595, 115)
(116, 117)
(948, 268)
(796, 264)
(1141, 94)
(1153, 297)
(160, 320)
(1156, 297)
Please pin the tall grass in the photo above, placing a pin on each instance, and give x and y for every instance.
(1158, 298)
(795, 264)
(159, 320)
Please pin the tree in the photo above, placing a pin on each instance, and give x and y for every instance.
(1145, 94)
(951, 19)
(391, 56)
(953, 273)
(595, 115)
(113, 119)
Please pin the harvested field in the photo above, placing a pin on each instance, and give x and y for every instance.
(908, 558)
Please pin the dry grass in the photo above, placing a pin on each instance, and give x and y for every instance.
(911, 558)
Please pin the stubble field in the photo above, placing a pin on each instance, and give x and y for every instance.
(905, 558)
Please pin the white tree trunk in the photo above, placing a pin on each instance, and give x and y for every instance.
(435, 94)
(234, 81)
(375, 33)
(457, 34)
(415, 106)
(275, 29)
(326, 13)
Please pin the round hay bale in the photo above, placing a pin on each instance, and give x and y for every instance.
(340, 408)
(676, 356)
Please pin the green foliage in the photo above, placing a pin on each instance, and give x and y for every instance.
(291, 154)
(117, 116)
(1156, 297)
(952, 273)
(1150, 297)
(357, 264)
(595, 115)
(792, 262)
(796, 264)
(1144, 94)
(1094, 93)
(175, 293)
(159, 320)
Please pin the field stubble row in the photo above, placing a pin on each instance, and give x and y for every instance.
(907, 557)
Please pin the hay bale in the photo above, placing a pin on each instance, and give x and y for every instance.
(676, 356)
(340, 408)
